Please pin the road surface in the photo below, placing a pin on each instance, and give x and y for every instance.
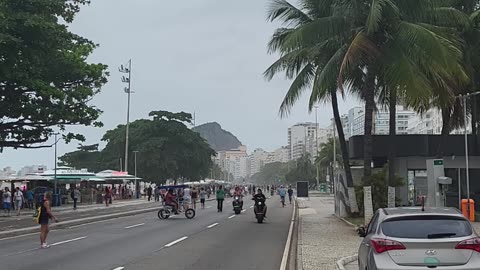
(209, 241)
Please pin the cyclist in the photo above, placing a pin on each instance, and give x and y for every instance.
(282, 192)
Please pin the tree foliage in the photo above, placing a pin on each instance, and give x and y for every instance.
(46, 83)
(303, 171)
(167, 149)
(273, 172)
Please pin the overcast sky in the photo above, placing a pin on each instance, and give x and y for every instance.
(205, 56)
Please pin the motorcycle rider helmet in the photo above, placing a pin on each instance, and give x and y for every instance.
(259, 191)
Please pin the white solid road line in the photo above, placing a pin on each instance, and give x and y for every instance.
(176, 241)
(232, 216)
(68, 241)
(213, 225)
(286, 251)
(133, 226)
(119, 268)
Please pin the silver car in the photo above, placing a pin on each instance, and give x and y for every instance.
(414, 239)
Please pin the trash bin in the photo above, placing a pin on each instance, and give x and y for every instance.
(56, 200)
(465, 209)
(323, 188)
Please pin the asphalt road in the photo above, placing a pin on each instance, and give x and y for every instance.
(210, 241)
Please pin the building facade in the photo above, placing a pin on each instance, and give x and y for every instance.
(301, 139)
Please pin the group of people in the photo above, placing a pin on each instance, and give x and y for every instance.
(17, 200)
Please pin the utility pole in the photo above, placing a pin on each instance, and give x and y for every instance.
(316, 147)
(57, 197)
(127, 80)
(135, 162)
(334, 154)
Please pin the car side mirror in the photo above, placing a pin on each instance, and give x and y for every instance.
(361, 231)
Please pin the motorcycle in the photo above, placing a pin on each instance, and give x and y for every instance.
(259, 210)
(237, 205)
(167, 211)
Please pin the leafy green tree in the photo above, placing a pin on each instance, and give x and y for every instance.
(324, 158)
(87, 156)
(167, 149)
(273, 172)
(303, 171)
(46, 83)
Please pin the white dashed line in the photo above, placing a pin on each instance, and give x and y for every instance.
(119, 268)
(176, 241)
(136, 225)
(251, 206)
(213, 225)
(244, 210)
(232, 216)
(68, 241)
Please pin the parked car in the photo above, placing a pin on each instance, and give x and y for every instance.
(412, 238)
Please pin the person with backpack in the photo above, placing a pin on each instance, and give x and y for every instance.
(44, 216)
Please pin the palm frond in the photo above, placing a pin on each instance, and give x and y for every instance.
(326, 78)
(376, 14)
(301, 82)
(277, 41)
(292, 62)
(360, 52)
(449, 17)
(283, 11)
(318, 8)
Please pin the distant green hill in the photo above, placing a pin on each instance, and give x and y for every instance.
(218, 138)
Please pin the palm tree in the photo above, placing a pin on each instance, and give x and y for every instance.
(325, 155)
(402, 47)
(311, 49)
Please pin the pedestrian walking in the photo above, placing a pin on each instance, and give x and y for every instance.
(76, 197)
(45, 216)
(108, 196)
(18, 200)
(194, 195)
(202, 194)
(187, 197)
(7, 200)
(157, 194)
(220, 195)
(29, 195)
(149, 192)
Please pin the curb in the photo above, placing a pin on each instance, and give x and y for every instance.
(36, 228)
(346, 221)
(346, 260)
(286, 253)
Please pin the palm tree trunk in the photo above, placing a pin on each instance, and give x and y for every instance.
(392, 134)
(445, 132)
(349, 193)
(341, 138)
(369, 95)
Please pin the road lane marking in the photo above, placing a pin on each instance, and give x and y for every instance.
(244, 210)
(251, 206)
(232, 216)
(85, 224)
(68, 241)
(208, 207)
(119, 268)
(213, 225)
(286, 251)
(133, 226)
(176, 241)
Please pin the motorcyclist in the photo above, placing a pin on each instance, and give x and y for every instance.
(170, 200)
(259, 196)
(238, 192)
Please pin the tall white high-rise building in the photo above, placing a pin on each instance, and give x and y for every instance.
(301, 139)
(431, 122)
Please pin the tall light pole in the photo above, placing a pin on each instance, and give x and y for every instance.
(334, 154)
(464, 99)
(57, 197)
(127, 89)
(316, 147)
(136, 187)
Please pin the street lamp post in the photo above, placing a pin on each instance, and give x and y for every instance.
(316, 147)
(127, 89)
(135, 160)
(464, 99)
(57, 197)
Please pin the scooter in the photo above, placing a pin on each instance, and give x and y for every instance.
(259, 210)
(237, 205)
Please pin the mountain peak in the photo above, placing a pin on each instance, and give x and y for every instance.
(218, 138)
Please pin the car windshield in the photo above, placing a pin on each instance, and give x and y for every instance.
(426, 227)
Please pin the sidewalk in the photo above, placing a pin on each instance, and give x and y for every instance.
(322, 238)
(65, 213)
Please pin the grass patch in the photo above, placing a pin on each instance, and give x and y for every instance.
(355, 220)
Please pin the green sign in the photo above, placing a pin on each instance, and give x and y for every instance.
(438, 162)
